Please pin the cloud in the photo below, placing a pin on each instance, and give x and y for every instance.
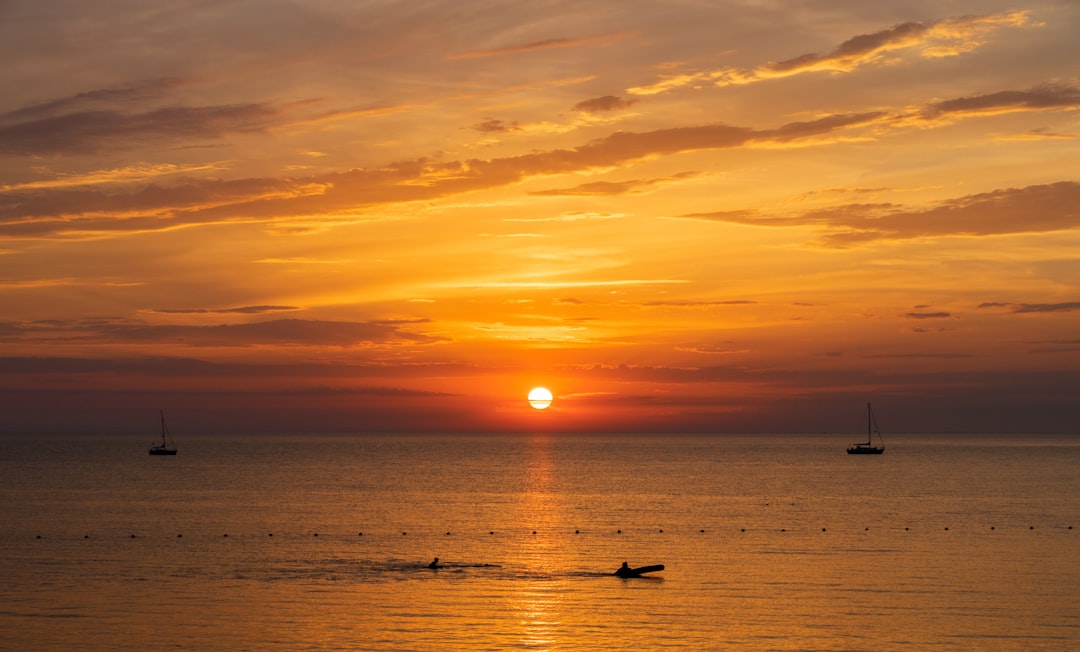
(928, 315)
(90, 131)
(1042, 97)
(605, 103)
(496, 126)
(280, 332)
(1032, 209)
(243, 310)
(947, 37)
(1067, 306)
(698, 304)
(93, 212)
(610, 188)
(90, 101)
(546, 44)
(78, 212)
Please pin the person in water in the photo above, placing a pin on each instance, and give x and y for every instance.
(624, 570)
(435, 564)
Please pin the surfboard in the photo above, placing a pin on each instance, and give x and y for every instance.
(637, 572)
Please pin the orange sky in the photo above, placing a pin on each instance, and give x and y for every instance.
(727, 216)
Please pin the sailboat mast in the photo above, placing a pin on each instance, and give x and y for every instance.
(869, 424)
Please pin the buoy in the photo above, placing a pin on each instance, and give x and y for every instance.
(618, 531)
(271, 534)
(179, 536)
(534, 531)
(133, 536)
(447, 534)
(224, 535)
(492, 532)
(703, 531)
(316, 534)
(86, 536)
(577, 531)
(822, 529)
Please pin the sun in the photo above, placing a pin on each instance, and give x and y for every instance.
(540, 398)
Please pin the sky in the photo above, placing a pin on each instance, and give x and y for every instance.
(679, 216)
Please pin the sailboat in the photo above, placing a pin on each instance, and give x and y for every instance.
(166, 447)
(871, 429)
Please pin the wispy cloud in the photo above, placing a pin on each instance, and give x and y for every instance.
(604, 104)
(1067, 306)
(1042, 97)
(1033, 209)
(242, 310)
(602, 188)
(84, 132)
(546, 44)
(948, 37)
(279, 332)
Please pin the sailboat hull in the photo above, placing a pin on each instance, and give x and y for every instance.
(162, 451)
(865, 450)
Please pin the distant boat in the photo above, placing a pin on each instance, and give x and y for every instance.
(871, 429)
(166, 447)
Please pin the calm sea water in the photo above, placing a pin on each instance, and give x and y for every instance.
(314, 542)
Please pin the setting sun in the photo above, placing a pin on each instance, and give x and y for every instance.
(540, 398)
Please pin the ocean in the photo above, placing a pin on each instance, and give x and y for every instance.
(322, 543)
